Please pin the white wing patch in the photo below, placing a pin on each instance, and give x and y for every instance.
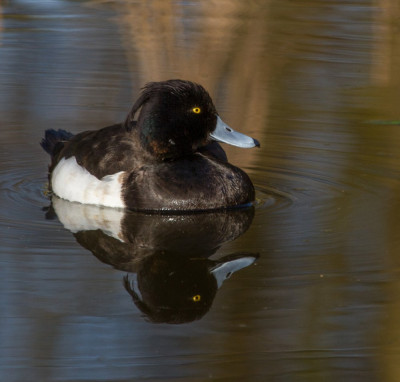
(72, 182)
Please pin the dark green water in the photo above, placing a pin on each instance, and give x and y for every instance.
(316, 82)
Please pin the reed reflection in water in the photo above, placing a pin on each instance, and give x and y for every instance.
(216, 44)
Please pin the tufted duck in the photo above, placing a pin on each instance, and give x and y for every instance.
(167, 160)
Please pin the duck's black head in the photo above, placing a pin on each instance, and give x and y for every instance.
(176, 118)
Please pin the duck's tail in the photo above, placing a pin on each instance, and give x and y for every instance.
(53, 140)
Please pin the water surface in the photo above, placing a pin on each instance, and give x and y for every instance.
(317, 84)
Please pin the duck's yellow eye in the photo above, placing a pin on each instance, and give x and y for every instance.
(196, 110)
(196, 298)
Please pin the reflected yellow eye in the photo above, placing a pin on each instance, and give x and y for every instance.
(196, 110)
(196, 298)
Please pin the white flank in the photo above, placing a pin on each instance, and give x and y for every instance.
(74, 183)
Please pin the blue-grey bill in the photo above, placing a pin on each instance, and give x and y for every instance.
(224, 270)
(224, 133)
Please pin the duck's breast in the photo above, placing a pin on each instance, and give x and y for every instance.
(193, 183)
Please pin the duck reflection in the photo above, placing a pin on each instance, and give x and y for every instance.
(173, 267)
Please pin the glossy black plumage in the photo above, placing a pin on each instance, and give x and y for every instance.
(169, 160)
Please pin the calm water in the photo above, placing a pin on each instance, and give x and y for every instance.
(87, 294)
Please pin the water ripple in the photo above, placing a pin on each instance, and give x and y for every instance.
(23, 207)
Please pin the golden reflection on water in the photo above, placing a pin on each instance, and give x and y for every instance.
(386, 81)
(386, 30)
